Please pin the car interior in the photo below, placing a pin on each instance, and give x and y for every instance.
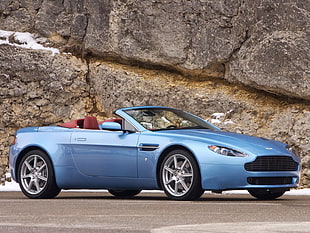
(89, 122)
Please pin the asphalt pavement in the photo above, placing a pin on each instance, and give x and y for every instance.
(153, 212)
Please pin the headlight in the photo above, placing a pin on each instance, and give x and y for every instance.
(226, 151)
(292, 150)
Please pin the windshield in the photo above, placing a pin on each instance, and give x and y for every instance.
(163, 119)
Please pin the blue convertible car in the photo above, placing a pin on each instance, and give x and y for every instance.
(150, 148)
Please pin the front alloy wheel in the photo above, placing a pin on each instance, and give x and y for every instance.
(36, 176)
(180, 176)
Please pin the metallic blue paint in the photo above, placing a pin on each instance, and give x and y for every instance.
(103, 159)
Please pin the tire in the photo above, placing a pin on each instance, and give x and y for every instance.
(180, 176)
(267, 194)
(36, 176)
(124, 193)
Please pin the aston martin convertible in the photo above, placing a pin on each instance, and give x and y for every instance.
(149, 148)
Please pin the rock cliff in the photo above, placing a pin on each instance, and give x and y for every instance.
(246, 59)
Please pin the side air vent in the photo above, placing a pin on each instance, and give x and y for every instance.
(148, 147)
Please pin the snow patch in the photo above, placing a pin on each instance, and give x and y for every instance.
(25, 40)
(220, 117)
(216, 121)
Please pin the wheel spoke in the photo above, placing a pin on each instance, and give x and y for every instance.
(183, 164)
(176, 187)
(42, 178)
(170, 180)
(175, 162)
(29, 185)
(28, 165)
(40, 168)
(35, 161)
(184, 185)
(187, 175)
(26, 176)
(36, 182)
(169, 169)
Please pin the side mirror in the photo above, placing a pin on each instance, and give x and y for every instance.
(111, 126)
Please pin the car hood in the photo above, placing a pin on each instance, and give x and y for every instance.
(240, 142)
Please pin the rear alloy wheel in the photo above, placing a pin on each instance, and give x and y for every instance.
(36, 176)
(124, 193)
(180, 176)
(267, 194)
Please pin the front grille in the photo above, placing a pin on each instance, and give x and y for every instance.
(272, 163)
(269, 180)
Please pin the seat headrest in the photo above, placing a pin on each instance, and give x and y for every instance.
(90, 122)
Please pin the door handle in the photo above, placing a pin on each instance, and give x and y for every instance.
(80, 139)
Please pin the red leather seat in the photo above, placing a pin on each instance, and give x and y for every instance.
(78, 123)
(90, 122)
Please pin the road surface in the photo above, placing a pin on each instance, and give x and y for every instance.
(152, 212)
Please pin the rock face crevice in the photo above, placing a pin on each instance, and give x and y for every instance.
(205, 57)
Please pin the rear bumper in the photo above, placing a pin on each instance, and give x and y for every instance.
(228, 177)
(12, 162)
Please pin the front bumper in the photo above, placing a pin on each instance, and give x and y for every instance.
(229, 177)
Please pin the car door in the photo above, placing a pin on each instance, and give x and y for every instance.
(105, 153)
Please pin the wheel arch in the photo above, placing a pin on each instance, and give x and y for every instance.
(165, 152)
(24, 152)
